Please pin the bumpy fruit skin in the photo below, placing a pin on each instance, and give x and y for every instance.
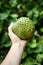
(23, 28)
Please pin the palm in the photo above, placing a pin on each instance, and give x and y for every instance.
(14, 38)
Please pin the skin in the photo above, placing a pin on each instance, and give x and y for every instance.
(15, 53)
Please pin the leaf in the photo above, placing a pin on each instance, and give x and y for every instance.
(24, 54)
(30, 61)
(7, 44)
(0, 3)
(29, 50)
(14, 15)
(36, 13)
(4, 15)
(41, 14)
(5, 37)
(29, 13)
(41, 29)
(38, 49)
(1, 57)
(5, 40)
(35, 20)
(41, 40)
(33, 43)
(35, 33)
(13, 2)
(39, 57)
(1, 26)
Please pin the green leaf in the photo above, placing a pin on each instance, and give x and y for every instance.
(7, 44)
(4, 15)
(30, 61)
(1, 27)
(41, 30)
(39, 57)
(36, 13)
(24, 54)
(5, 37)
(0, 3)
(35, 20)
(14, 15)
(29, 13)
(41, 40)
(5, 40)
(29, 50)
(1, 57)
(38, 49)
(35, 33)
(13, 2)
(33, 43)
(41, 14)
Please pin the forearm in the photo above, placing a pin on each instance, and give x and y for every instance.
(14, 55)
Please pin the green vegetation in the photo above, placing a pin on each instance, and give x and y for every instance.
(24, 28)
(10, 11)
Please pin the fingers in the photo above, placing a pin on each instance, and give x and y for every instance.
(10, 27)
(12, 36)
(10, 30)
(10, 33)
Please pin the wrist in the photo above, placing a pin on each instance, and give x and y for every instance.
(20, 43)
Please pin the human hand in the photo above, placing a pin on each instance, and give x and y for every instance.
(14, 38)
(17, 46)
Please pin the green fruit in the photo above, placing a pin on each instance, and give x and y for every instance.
(23, 28)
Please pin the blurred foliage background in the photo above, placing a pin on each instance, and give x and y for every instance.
(10, 11)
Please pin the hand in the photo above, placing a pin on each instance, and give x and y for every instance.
(14, 38)
(17, 46)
